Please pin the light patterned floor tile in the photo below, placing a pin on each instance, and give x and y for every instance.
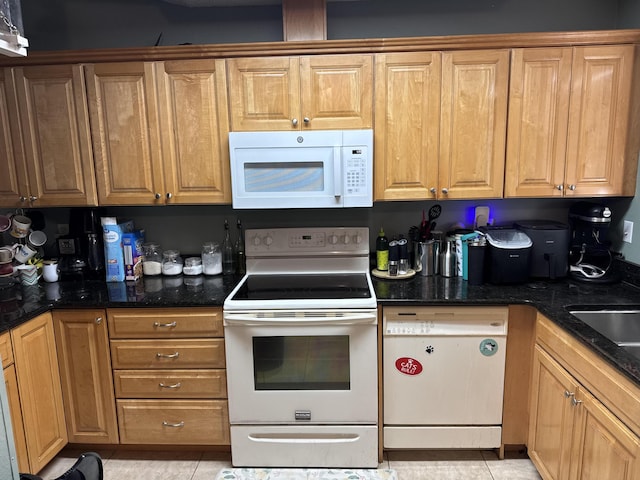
(439, 465)
(65, 460)
(151, 465)
(515, 466)
(210, 464)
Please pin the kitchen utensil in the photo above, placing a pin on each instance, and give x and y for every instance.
(20, 226)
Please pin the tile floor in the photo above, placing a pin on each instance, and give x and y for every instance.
(410, 465)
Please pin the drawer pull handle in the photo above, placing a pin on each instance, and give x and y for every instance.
(167, 355)
(175, 385)
(174, 425)
(165, 325)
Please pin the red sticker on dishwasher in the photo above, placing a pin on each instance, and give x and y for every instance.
(408, 366)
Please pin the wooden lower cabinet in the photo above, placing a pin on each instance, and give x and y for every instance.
(34, 350)
(572, 435)
(168, 369)
(85, 370)
(174, 422)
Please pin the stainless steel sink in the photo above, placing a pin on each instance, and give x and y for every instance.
(619, 326)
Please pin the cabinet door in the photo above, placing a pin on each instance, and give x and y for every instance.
(599, 122)
(57, 141)
(473, 123)
(602, 446)
(194, 126)
(125, 131)
(407, 125)
(34, 350)
(11, 384)
(336, 91)
(538, 115)
(13, 173)
(551, 417)
(85, 371)
(264, 93)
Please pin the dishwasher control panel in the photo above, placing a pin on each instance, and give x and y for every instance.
(457, 321)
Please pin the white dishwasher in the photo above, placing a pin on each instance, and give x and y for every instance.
(443, 373)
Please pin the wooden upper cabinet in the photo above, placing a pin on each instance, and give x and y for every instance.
(571, 118)
(194, 130)
(124, 125)
(293, 93)
(407, 125)
(602, 145)
(13, 172)
(55, 130)
(538, 114)
(473, 124)
(160, 132)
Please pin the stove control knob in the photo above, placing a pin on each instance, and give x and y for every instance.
(268, 240)
(346, 239)
(257, 241)
(333, 239)
(357, 238)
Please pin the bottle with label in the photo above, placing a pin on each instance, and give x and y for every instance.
(241, 265)
(382, 252)
(227, 251)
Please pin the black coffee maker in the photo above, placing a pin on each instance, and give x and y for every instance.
(82, 250)
(590, 256)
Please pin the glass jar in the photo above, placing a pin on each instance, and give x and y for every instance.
(192, 266)
(152, 261)
(211, 259)
(171, 262)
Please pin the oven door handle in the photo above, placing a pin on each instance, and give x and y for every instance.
(251, 320)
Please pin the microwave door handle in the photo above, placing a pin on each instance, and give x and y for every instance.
(337, 172)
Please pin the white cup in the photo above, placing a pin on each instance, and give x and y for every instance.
(20, 226)
(24, 253)
(50, 271)
(7, 254)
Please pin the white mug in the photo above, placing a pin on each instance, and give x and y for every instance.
(50, 271)
(24, 253)
(7, 254)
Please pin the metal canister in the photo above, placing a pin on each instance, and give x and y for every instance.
(448, 258)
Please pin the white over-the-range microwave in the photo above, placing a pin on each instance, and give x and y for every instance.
(314, 169)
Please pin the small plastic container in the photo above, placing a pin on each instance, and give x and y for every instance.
(171, 263)
(192, 266)
(152, 261)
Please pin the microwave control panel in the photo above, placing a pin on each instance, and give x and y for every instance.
(355, 170)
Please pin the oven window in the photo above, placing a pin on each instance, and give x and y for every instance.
(284, 177)
(301, 363)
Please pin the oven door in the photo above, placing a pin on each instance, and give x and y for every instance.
(314, 367)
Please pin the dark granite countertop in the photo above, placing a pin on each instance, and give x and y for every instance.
(19, 303)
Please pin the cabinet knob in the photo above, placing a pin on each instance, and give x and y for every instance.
(572, 187)
(568, 394)
(98, 320)
(169, 195)
(306, 120)
(294, 122)
(158, 196)
(445, 191)
(433, 190)
(23, 199)
(575, 402)
(32, 198)
(560, 187)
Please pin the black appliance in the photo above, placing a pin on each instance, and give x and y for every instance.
(550, 251)
(589, 253)
(509, 255)
(82, 250)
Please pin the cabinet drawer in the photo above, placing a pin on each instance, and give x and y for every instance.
(173, 422)
(170, 383)
(186, 353)
(6, 352)
(163, 323)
